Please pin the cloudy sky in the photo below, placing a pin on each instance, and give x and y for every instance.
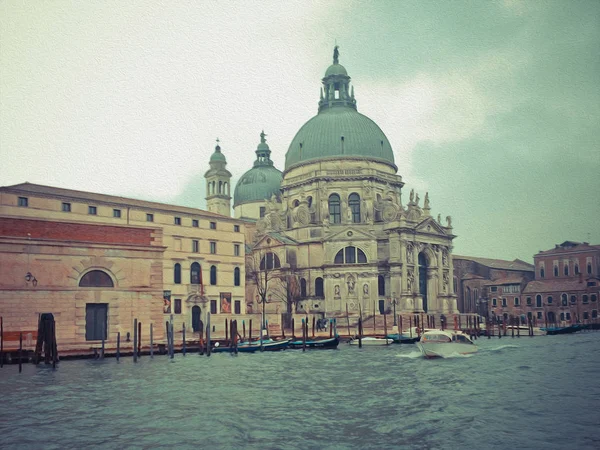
(493, 107)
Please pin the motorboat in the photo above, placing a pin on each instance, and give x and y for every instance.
(369, 340)
(562, 330)
(442, 344)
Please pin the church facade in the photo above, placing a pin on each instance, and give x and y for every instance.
(337, 222)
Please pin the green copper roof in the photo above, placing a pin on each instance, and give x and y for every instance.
(338, 130)
(260, 182)
(217, 155)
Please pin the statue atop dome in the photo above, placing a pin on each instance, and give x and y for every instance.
(336, 55)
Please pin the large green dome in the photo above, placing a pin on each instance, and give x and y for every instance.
(338, 130)
(262, 181)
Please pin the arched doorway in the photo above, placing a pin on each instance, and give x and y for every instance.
(551, 317)
(423, 279)
(196, 318)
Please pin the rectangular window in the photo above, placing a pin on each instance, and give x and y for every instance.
(23, 201)
(584, 298)
(177, 220)
(516, 301)
(594, 297)
(568, 316)
(177, 306)
(195, 223)
(539, 315)
(92, 210)
(528, 301)
(66, 207)
(586, 316)
(236, 249)
(237, 307)
(494, 302)
(116, 213)
(195, 246)
(236, 228)
(149, 217)
(95, 321)
(494, 288)
(549, 300)
(213, 248)
(591, 283)
(503, 302)
(213, 225)
(213, 306)
(350, 255)
(262, 212)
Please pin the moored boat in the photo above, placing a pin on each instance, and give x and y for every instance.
(327, 343)
(562, 330)
(268, 345)
(441, 344)
(523, 330)
(371, 341)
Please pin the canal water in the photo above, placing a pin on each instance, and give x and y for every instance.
(515, 393)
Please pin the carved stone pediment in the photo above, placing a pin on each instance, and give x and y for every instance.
(430, 226)
(350, 234)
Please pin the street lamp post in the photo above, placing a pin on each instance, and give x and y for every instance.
(394, 303)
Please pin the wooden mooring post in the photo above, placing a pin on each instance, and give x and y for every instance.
(135, 337)
(118, 345)
(303, 336)
(183, 339)
(172, 327)
(208, 334)
(151, 341)
(348, 319)
(20, 352)
(1, 342)
(139, 350)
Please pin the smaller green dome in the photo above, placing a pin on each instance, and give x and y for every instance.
(217, 155)
(336, 69)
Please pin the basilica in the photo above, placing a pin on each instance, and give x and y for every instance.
(334, 222)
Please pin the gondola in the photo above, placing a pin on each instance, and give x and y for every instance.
(327, 343)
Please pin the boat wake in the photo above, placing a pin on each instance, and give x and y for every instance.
(411, 355)
(500, 348)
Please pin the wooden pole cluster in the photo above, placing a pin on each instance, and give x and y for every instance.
(151, 341)
(135, 339)
(118, 345)
(46, 339)
(208, 334)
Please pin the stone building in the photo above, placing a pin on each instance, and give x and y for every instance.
(480, 284)
(337, 222)
(567, 284)
(133, 258)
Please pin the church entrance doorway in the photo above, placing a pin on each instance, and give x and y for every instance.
(196, 318)
(423, 279)
(381, 306)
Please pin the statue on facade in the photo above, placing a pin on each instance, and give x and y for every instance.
(440, 219)
(426, 202)
(417, 199)
(410, 279)
(449, 220)
(351, 283)
(445, 257)
(366, 290)
(446, 281)
(336, 290)
(409, 253)
(412, 196)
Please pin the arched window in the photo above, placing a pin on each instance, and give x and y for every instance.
(335, 214)
(236, 276)
(270, 261)
(319, 287)
(354, 205)
(381, 285)
(177, 274)
(566, 270)
(213, 275)
(563, 299)
(195, 274)
(542, 274)
(96, 278)
(549, 300)
(576, 269)
(573, 299)
(302, 287)
(220, 187)
(538, 301)
(555, 271)
(350, 255)
(589, 268)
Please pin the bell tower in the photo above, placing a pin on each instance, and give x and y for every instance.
(218, 184)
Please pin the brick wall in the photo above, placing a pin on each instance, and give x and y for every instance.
(68, 231)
